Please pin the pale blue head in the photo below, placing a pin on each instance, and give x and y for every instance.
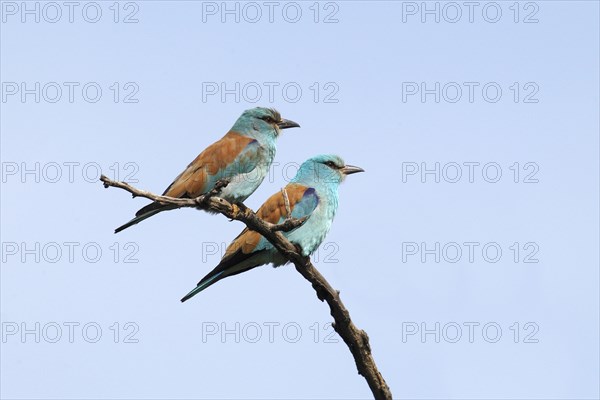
(324, 170)
(262, 123)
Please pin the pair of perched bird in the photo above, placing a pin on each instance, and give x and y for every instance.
(243, 157)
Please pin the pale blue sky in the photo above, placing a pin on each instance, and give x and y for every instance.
(365, 66)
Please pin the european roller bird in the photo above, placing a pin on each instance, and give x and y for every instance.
(313, 193)
(243, 155)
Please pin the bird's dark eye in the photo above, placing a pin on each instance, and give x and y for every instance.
(331, 164)
(268, 119)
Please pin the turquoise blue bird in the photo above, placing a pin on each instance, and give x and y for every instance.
(243, 155)
(313, 193)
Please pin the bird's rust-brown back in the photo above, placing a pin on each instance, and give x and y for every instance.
(193, 181)
(271, 211)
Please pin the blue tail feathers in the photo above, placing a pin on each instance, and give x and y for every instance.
(203, 285)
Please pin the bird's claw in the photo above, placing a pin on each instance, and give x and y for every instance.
(238, 208)
(298, 248)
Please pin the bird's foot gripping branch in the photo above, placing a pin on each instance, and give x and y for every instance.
(356, 339)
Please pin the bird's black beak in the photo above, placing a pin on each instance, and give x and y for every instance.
(351, 169)
(286, 123)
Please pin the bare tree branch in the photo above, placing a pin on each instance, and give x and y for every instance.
(356, 339)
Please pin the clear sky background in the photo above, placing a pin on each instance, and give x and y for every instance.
(84, 324)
